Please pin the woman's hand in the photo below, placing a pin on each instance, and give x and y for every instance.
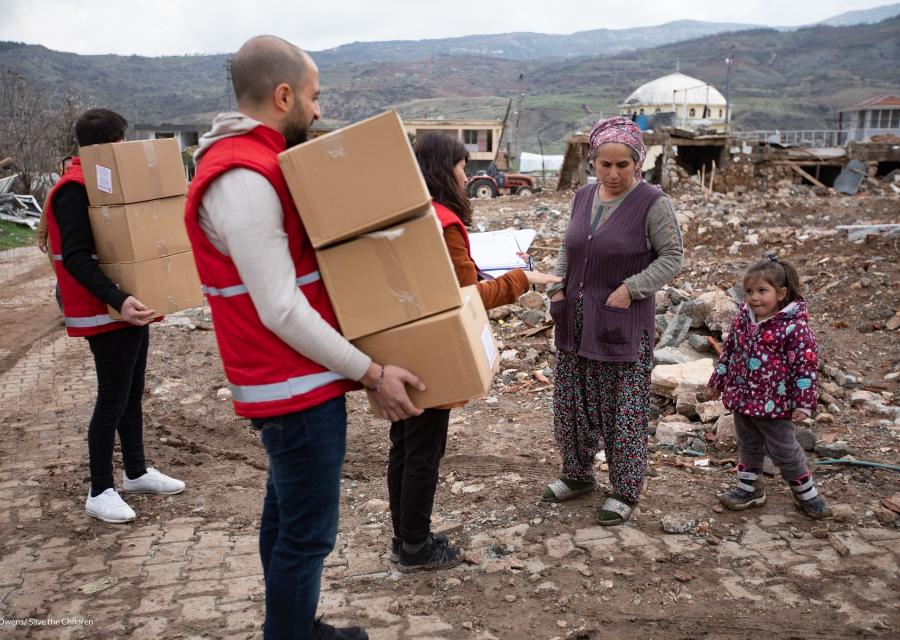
(712, 393)
(537, 277)
(620, 298)
(799, 415)
(559, 295)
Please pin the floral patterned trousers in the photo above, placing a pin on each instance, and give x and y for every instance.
(603, 402)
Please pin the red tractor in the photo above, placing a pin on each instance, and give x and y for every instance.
(490, 184)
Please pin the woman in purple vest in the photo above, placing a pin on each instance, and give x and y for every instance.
(622, 245)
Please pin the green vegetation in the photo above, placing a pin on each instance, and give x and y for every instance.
(14, 235)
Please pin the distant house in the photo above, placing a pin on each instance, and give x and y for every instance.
(481, 137)
(695, 103)
(188, 135)
(872, 117)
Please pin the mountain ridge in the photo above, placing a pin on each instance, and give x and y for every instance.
(795, 79)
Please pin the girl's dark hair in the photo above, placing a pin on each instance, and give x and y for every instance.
(778, 274)
(438, 154)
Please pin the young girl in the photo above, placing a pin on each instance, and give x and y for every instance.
(418, 443)
(767, 375)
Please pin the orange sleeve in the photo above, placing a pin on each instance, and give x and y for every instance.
(504, 290)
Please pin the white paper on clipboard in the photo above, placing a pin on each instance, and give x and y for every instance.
(495, 251)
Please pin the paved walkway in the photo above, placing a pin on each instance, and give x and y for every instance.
(172, 574)
(190, 577)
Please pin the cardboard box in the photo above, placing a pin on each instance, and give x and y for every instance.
(453, 352)
(391, 277)
(123, 172)
(139, 231)
(356, 179)
(166, 285)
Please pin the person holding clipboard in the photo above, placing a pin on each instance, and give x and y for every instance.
(418, 442)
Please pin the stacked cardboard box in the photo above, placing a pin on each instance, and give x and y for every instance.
(136, 191)
(382, 257)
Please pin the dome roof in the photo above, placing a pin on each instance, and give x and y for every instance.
(660, 92)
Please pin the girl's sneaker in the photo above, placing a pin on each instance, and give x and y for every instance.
(749, 491)
(807, 498)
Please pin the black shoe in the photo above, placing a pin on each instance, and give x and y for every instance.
(397, 544)
(322, 631)
(433, 556)
(814, 508)
(749, 492)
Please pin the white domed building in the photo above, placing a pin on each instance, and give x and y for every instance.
(695, 103)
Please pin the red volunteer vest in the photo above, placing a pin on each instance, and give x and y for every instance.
(85, 314)
(267, 377)
(449, 219)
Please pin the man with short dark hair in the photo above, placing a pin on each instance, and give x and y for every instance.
(287, 365)
(119, 346)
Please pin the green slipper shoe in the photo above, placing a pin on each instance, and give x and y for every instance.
(616, 510)
(564, 489)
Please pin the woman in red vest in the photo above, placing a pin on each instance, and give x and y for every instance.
(418, 443)
(119, 346)
(621, 246)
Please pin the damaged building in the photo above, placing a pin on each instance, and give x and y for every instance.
(740, 161)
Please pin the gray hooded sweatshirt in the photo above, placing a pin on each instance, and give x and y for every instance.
(241, 215)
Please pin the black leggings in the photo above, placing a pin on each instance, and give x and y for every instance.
(121, 358)
(417, 446)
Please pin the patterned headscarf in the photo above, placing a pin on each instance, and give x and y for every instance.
(622, 130)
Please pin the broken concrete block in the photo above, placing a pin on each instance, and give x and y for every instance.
(671, 379)
(671, 433)
(686, 404)
(860, 397)
(720, 310)
(699, 343)
(676, 331)
(709, 411)
(807, 439)
(532, 300)
(725, 429)
(676, 355)
(837, 449)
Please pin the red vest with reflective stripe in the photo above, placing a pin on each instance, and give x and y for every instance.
(450, 219)
(266, 375)
(85, 314)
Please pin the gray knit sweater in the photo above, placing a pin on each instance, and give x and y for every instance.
(663, 235)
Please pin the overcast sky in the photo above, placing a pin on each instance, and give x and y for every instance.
(171, 27)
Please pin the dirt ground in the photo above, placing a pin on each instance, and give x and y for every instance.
(188, 567)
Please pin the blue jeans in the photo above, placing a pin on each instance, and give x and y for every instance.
(300, 511)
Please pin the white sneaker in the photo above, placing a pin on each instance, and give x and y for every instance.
(152, 482)
(109, 507)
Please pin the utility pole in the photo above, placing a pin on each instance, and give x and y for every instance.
(228, 81)
(729, 62)
(543, 172)
(520, 99)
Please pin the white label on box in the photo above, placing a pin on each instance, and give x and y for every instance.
(488, 341)
(104, 179)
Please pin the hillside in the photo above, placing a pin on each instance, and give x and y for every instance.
(528, 46)
(782, 79)
(863, 16)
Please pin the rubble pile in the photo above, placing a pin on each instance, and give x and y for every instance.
(723, 233)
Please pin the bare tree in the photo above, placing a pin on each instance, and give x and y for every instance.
(36, 130)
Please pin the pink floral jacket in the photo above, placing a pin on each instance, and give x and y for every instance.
(769, 369)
